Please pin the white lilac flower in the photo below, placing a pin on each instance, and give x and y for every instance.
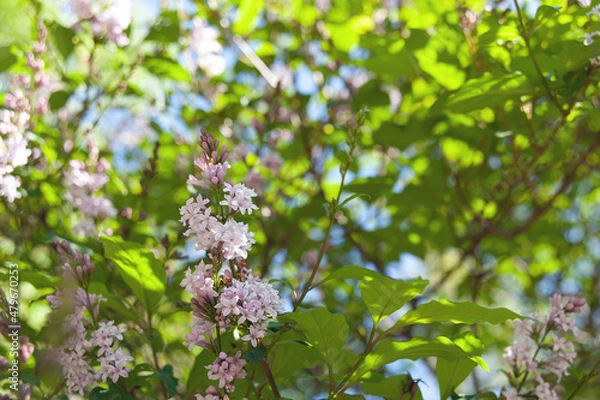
(531, 365)
(9, 187)
(207, 50)
(239, 198)
(200, 281)
(77, 371)
(235, 238)
(253, 300)
(112, 365)
(272, 161)
(200, 328)
(108, 18)
(105, 335)
(226, 369)
(82, 182)
(512, 394)
(212, 393)
(255, 333)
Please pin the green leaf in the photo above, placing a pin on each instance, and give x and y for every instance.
(288, 357)
(140, 270)
(112, 393)
(395, 135)
(63, 38)
(450, 374)
(544, 14)
(384, 295)
(166, 28)
(489, 91)
(343, 36)
(166, 376)
(325, 331)
(392, 387)
(58, 99)
(413, 349)
(198, 377)
(247, 14)
(167, 68)
(460, 313)
(6, 58)
(351, 272)
(254, 355)
(576, 55)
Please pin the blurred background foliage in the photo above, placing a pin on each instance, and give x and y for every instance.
(480, 158)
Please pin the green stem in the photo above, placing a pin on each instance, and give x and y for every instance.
(333, 209)
(551, 96)
(583, 380)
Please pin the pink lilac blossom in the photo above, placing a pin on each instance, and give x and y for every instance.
(235, 239)
(14, 150)
(112, 365)
(206, 49)
(107, 18)
(83, 182)
(273, 162)
(212, 393)
(542, 348)
(226, 369)
(239, 198)
(232, 297)
(87, 355)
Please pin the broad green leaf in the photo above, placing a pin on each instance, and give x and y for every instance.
(343, 36)
(198, 378)
(140, 270)
(288, 357)
(113, 392)
(576, 55)
(351, 272)
(166, 377)
(166, 68)
(413, 349)
(461, 313)
(254, 355)
(166, 28)
(63, 38)
(325, 331)
(246, 18)
(384, 295)
(6, 58)
(544, 14)
(58, 99)
(398, 136)
(489, 91)
(392, 387)
(450, 374)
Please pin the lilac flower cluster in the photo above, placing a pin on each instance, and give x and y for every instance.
(83, 181)
(205, 48)
(228, 298)
(542, 349)
(107, 18)
(15, 116)
(14, 150)
(90, 352)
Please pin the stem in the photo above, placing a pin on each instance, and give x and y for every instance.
(56, 390)
(270, 378)
(370, 344)
(539, 347)
(535, 63)
(332, 211)
(154, 355)
(583, 380)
